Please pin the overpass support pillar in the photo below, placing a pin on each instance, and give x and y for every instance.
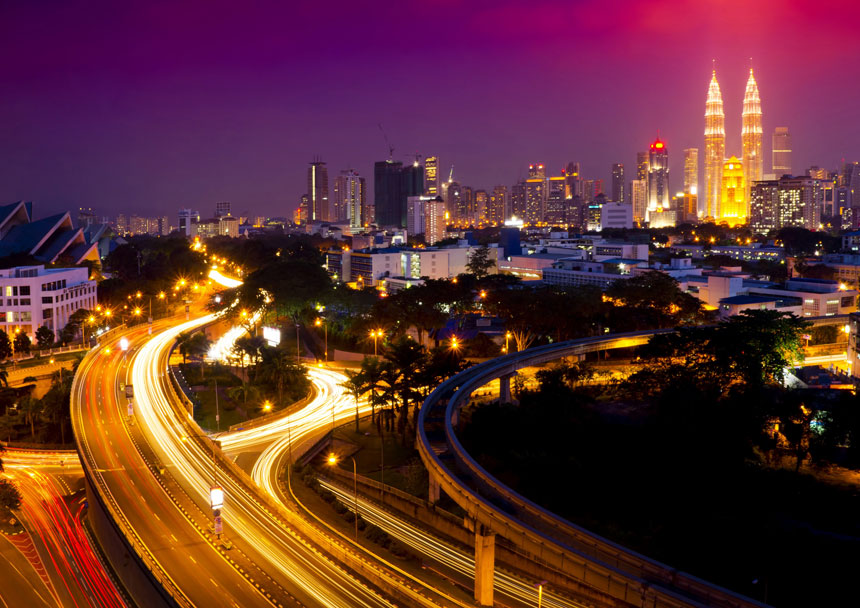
(485, 560)
(434, 491)
(505, 387)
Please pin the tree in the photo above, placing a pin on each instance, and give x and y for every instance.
(76, 321)
(481, 261)
(355, 386)
(10, 497)
(278, 370)
(22, 344)
(45, 337)
(244, 392)
(193, 345)
(31, 408)
(5, 345)
(4, 377)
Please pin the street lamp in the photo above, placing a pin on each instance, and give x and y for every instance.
(375, 335)
(318, 322)
(540, 592)
(332, 460)
(455, 344)
(507, 337)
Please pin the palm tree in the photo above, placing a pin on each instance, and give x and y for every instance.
(407, 358)
(355, 385)
(372, 369)
(278, 369)
(31, 408)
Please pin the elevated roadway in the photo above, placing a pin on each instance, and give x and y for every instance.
(613, 572)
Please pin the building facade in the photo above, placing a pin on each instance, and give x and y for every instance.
(751, 135)
(733, 201)
(318, 203)
(715, 148)
(618, 183)
(350, 192)
(781, 156)
(658, 179)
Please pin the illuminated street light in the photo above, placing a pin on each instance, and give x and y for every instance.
(267, 406)
(332, 461)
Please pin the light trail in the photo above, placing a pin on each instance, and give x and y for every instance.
(223, 280)
(190, 462)
(77, 575)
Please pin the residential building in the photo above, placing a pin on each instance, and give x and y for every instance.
(350, 192)
(691, 171)
(435, 220)
(497, 208)
(789, 201)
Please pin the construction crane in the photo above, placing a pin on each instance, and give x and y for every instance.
(387, 143)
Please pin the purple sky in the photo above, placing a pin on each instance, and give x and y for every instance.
(169, 104)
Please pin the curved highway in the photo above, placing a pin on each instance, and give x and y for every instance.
(562, 546)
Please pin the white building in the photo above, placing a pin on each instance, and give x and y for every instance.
(616, 215)
(35, 296)
(435, 220)
(416, 217)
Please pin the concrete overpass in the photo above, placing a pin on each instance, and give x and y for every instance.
(620, 576)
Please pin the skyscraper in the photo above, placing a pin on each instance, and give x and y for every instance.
(498, 209)
(618, 183)
(715, 147)
(639, 199)
(318, 207)
(572, 180)
(658, 179)
(691, 171)
(733, 201)
(349, 198)
(751, 134)
(642, 165)
(431, 176)
(781, 152)
(435, 220)
(537, 171)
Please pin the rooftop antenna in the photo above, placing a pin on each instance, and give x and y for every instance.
(714, 65)
(451, 175)
(387, 143)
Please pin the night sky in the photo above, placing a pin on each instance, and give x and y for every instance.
(163, 105)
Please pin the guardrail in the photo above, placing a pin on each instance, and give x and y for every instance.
(558, 543)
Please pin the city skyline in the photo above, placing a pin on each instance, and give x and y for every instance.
(186, 112)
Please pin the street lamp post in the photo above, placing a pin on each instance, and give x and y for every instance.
(507, 337)
(332, 460)
(298, 355)
(322, 321)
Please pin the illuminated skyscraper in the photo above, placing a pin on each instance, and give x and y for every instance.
(497, 210)
(618, 183)
(349, 198)
(733, 201)
(639, 199)
(318, 207)
(642, 165)
(715, 147)
(537, 171)
(751, 134)
(431, 176)
(658, 179)
(691, 171)
(781, 152)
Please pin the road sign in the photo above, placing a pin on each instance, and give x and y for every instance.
(130, 409)
(219, 525)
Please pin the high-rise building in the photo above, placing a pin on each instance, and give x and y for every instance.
(392, 185)
(435, 220)
(481, 202)
(715, 148)
(454, 200)
(222, 208)
(537, 171)
(350, 198)
(416, 213)
(573, 180)
(318, 204)
(691, 171)
(535, 191)
(788, 201)
(497, 210)
(187, 219)
(556, 204)
(467, 205)
(781, 161)
(618, 183)
(751, 134)
(639, 199)
(733, 201)
(642, 166)
(658, 178)
(431, 176)
(518, 200)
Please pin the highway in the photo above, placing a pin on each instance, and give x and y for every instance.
(51, 506)
(298, 566)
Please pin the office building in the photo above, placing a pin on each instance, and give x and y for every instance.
(733, 201)
(415, 214)
(393, 184)
(715, 148)
(35, 296)
(431, 176)
(187, 219)
(556, 204)
(781, 159)
(616, 215)
(481, 203)
(618, 189)
(691, 170)
(537, 171)
(318, 203)
(535, 199)
(642, 166)
(658, 179)
(751, 135)
(572, 180)
(350, 192)
(222, 208)
(518, 200)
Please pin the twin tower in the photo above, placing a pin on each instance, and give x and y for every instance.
(726, 197)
